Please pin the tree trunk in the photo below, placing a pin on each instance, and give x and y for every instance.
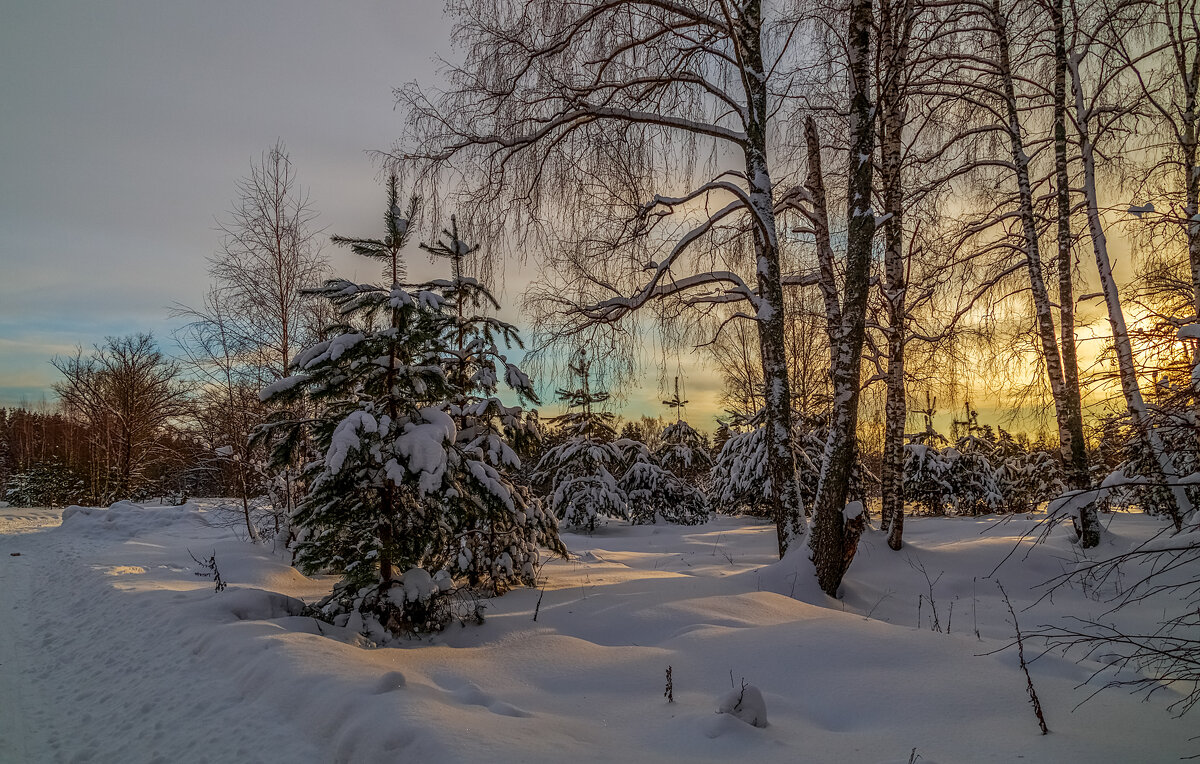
(893, 53)
(832, 546)
(1189, 77)
(1074, 453)
(1174, 500)
(1041, 298)
(784, 496)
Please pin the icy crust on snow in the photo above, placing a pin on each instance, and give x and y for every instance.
(193, 675)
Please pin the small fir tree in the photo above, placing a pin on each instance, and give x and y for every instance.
(654, 493)
(1026, 477)
(580, 471)
(739, 480)
(925, 483)
(661, 486)
(683, 450)
(412, 492)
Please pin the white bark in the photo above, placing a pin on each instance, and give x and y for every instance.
(1126, 369)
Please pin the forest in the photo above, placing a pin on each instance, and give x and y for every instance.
(942, 259)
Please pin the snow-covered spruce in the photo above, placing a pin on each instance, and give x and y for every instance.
(977, 476)
(973, 481)
(684, 451)
(416, 452)
(1027, 479)
(654, 493)
(579, 472)
(739, 480)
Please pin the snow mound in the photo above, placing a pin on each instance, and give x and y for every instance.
(254, 605)
(128, 519)
(745, 703)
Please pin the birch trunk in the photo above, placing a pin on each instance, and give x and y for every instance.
(834, 541)
(893, 53)
(1074, 453)
(1175, 500)
(1043, 309)
(784, 495)
(1188, 68)
(1192, 208)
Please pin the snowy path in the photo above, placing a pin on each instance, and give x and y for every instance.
(90, 674)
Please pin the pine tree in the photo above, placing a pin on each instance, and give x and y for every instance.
(412, 493)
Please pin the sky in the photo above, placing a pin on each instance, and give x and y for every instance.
(127, 123)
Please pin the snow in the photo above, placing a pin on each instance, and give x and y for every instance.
(112, 649)
(745, 703)
(347, 438)
(852, 510)
(423, 445)
(280, 385)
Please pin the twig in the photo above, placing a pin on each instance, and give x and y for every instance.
(1033, 697)
(538, 606)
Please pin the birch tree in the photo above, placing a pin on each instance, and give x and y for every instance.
(269, 254)
(1167, 72)
(563, 116)
(1094, 109)
(1004, 28)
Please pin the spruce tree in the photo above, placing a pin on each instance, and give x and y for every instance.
(412, 497)
(580, 471)
(663, 487)
(684, 451)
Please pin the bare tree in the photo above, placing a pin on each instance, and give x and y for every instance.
(549, 97)
(1012, 37)
(569, 114)
(256, 315)
(269, 254)
(1167, 71)
(1096, 109)
(227, 409)
(128, 393)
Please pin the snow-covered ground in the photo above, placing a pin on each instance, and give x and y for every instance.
(113, 650)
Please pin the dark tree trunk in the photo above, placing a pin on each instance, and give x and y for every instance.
(784, 496)
(832, 546)
(895, 22)
(1074, 453)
